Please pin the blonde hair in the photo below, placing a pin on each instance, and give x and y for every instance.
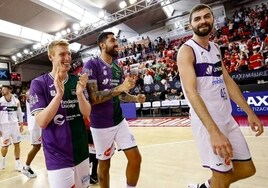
(60, 42)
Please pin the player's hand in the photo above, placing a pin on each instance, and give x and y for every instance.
(81, 84)
(21, 127)
(221, 145)
(255, 124)
(58, 82)
(128, 84)
(140, 98)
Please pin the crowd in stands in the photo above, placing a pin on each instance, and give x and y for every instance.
(243, 43)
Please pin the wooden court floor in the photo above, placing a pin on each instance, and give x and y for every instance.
(170, 160)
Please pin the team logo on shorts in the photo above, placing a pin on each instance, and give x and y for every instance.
(6, 142)
(227, 161)
(107, 153)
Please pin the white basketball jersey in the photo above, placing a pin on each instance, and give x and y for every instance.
(30, 118)
(210, 84)
(11, 115)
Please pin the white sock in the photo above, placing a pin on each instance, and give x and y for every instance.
(17, 161)
(26, 167)
(207, 184)
(128, 186)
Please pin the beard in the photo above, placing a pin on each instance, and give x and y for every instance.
(112, 51)
(200, 31)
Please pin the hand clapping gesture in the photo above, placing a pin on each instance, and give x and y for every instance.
(81, 84)
(58, 83)
(128, 84)
(140, 98)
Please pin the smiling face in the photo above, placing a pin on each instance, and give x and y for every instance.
(110, 46)
(202, 22)
(5, 91)
(60, 55)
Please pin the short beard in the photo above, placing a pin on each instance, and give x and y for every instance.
(112, 52)
(202, 33)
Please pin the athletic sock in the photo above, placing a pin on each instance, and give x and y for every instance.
(128, 186)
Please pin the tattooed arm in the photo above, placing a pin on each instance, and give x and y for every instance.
(126, 97)
(97, 97)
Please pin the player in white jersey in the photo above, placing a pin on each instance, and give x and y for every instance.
(12, 125)
(208, 88)
(35, 137)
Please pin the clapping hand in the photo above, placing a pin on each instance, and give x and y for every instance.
(128, 84)
(140, 98)
(81, 84)
(58, 83)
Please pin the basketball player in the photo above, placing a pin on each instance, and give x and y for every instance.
(35, 136)
(58, 103)
(209, 88)
(11, 125)
(108, 125)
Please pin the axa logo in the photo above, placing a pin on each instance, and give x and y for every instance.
(258, 100)
(59, 119)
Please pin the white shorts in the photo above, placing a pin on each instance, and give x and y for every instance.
(10, 130)
(35, 136)
(236, 138)
(91, 149)
(77, 176)
(104, 139)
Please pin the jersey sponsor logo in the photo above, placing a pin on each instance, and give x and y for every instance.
(204, 58)
(217, 81)
(73, 91)
(105, 81)
(50, 86)
(219, 56)
(33, 99)
(209, 70)
(219, 164)
(53, 93)
(69, 103)
(59, 119)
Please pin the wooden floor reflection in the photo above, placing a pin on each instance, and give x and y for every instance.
(170, 160)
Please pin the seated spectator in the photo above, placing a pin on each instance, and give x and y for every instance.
(164, 94)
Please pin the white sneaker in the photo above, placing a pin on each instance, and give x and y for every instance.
(193, 186)
(28, 172)
(18, 166)
(3, 164)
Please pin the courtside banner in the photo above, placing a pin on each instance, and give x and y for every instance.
(249, 75)
(258, 101)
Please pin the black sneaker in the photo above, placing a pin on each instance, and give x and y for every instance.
(93, 180)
